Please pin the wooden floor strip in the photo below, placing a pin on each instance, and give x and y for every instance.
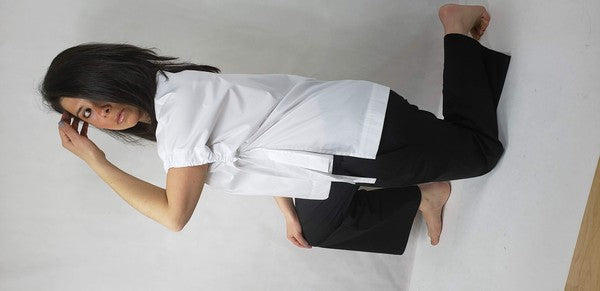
(585, 265)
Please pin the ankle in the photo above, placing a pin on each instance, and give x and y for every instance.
(424, 196)
(450, 17)
(456, 31)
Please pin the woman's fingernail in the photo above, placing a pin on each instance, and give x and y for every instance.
(61, 123)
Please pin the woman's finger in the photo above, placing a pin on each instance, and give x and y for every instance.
(301, 240)
(64, 138)
(68, 131)
(294, 241)
(84, 129)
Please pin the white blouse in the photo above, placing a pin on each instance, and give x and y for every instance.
(267, 134)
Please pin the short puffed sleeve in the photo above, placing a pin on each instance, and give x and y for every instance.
(186, 110)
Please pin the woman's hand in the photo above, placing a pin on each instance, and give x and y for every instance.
(294, 232)
(78, 142)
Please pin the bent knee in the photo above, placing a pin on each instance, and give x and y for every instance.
(492, 156)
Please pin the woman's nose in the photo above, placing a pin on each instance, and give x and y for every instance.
(105, 110)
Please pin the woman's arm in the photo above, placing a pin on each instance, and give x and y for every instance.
(148, 199)
(171, 207)
(286, 205)
(292, 223)
(184, 186)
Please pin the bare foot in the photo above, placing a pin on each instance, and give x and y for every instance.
(433, 198)
(464, 19)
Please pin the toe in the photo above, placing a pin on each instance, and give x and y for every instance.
(486, 16)
(484, 24)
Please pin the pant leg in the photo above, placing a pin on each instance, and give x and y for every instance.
(320, 218)
(417, 147)
(370, 221)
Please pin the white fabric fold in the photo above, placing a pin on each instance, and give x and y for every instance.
(267, 134)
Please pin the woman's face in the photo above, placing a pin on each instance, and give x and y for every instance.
(104, 115)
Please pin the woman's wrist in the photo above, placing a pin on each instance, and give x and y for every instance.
(96, 160)
(290, 216)
(286, 205)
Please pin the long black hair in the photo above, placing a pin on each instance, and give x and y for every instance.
(118, 73)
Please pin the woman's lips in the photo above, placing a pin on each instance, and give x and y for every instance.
(121, 116)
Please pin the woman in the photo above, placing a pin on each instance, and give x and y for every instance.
(289, 136)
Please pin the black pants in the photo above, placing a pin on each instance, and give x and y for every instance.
(415, 147)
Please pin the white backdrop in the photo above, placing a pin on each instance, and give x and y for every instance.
(516, 227)
(63, 229)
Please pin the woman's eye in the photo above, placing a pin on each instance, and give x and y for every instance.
(87, 112)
